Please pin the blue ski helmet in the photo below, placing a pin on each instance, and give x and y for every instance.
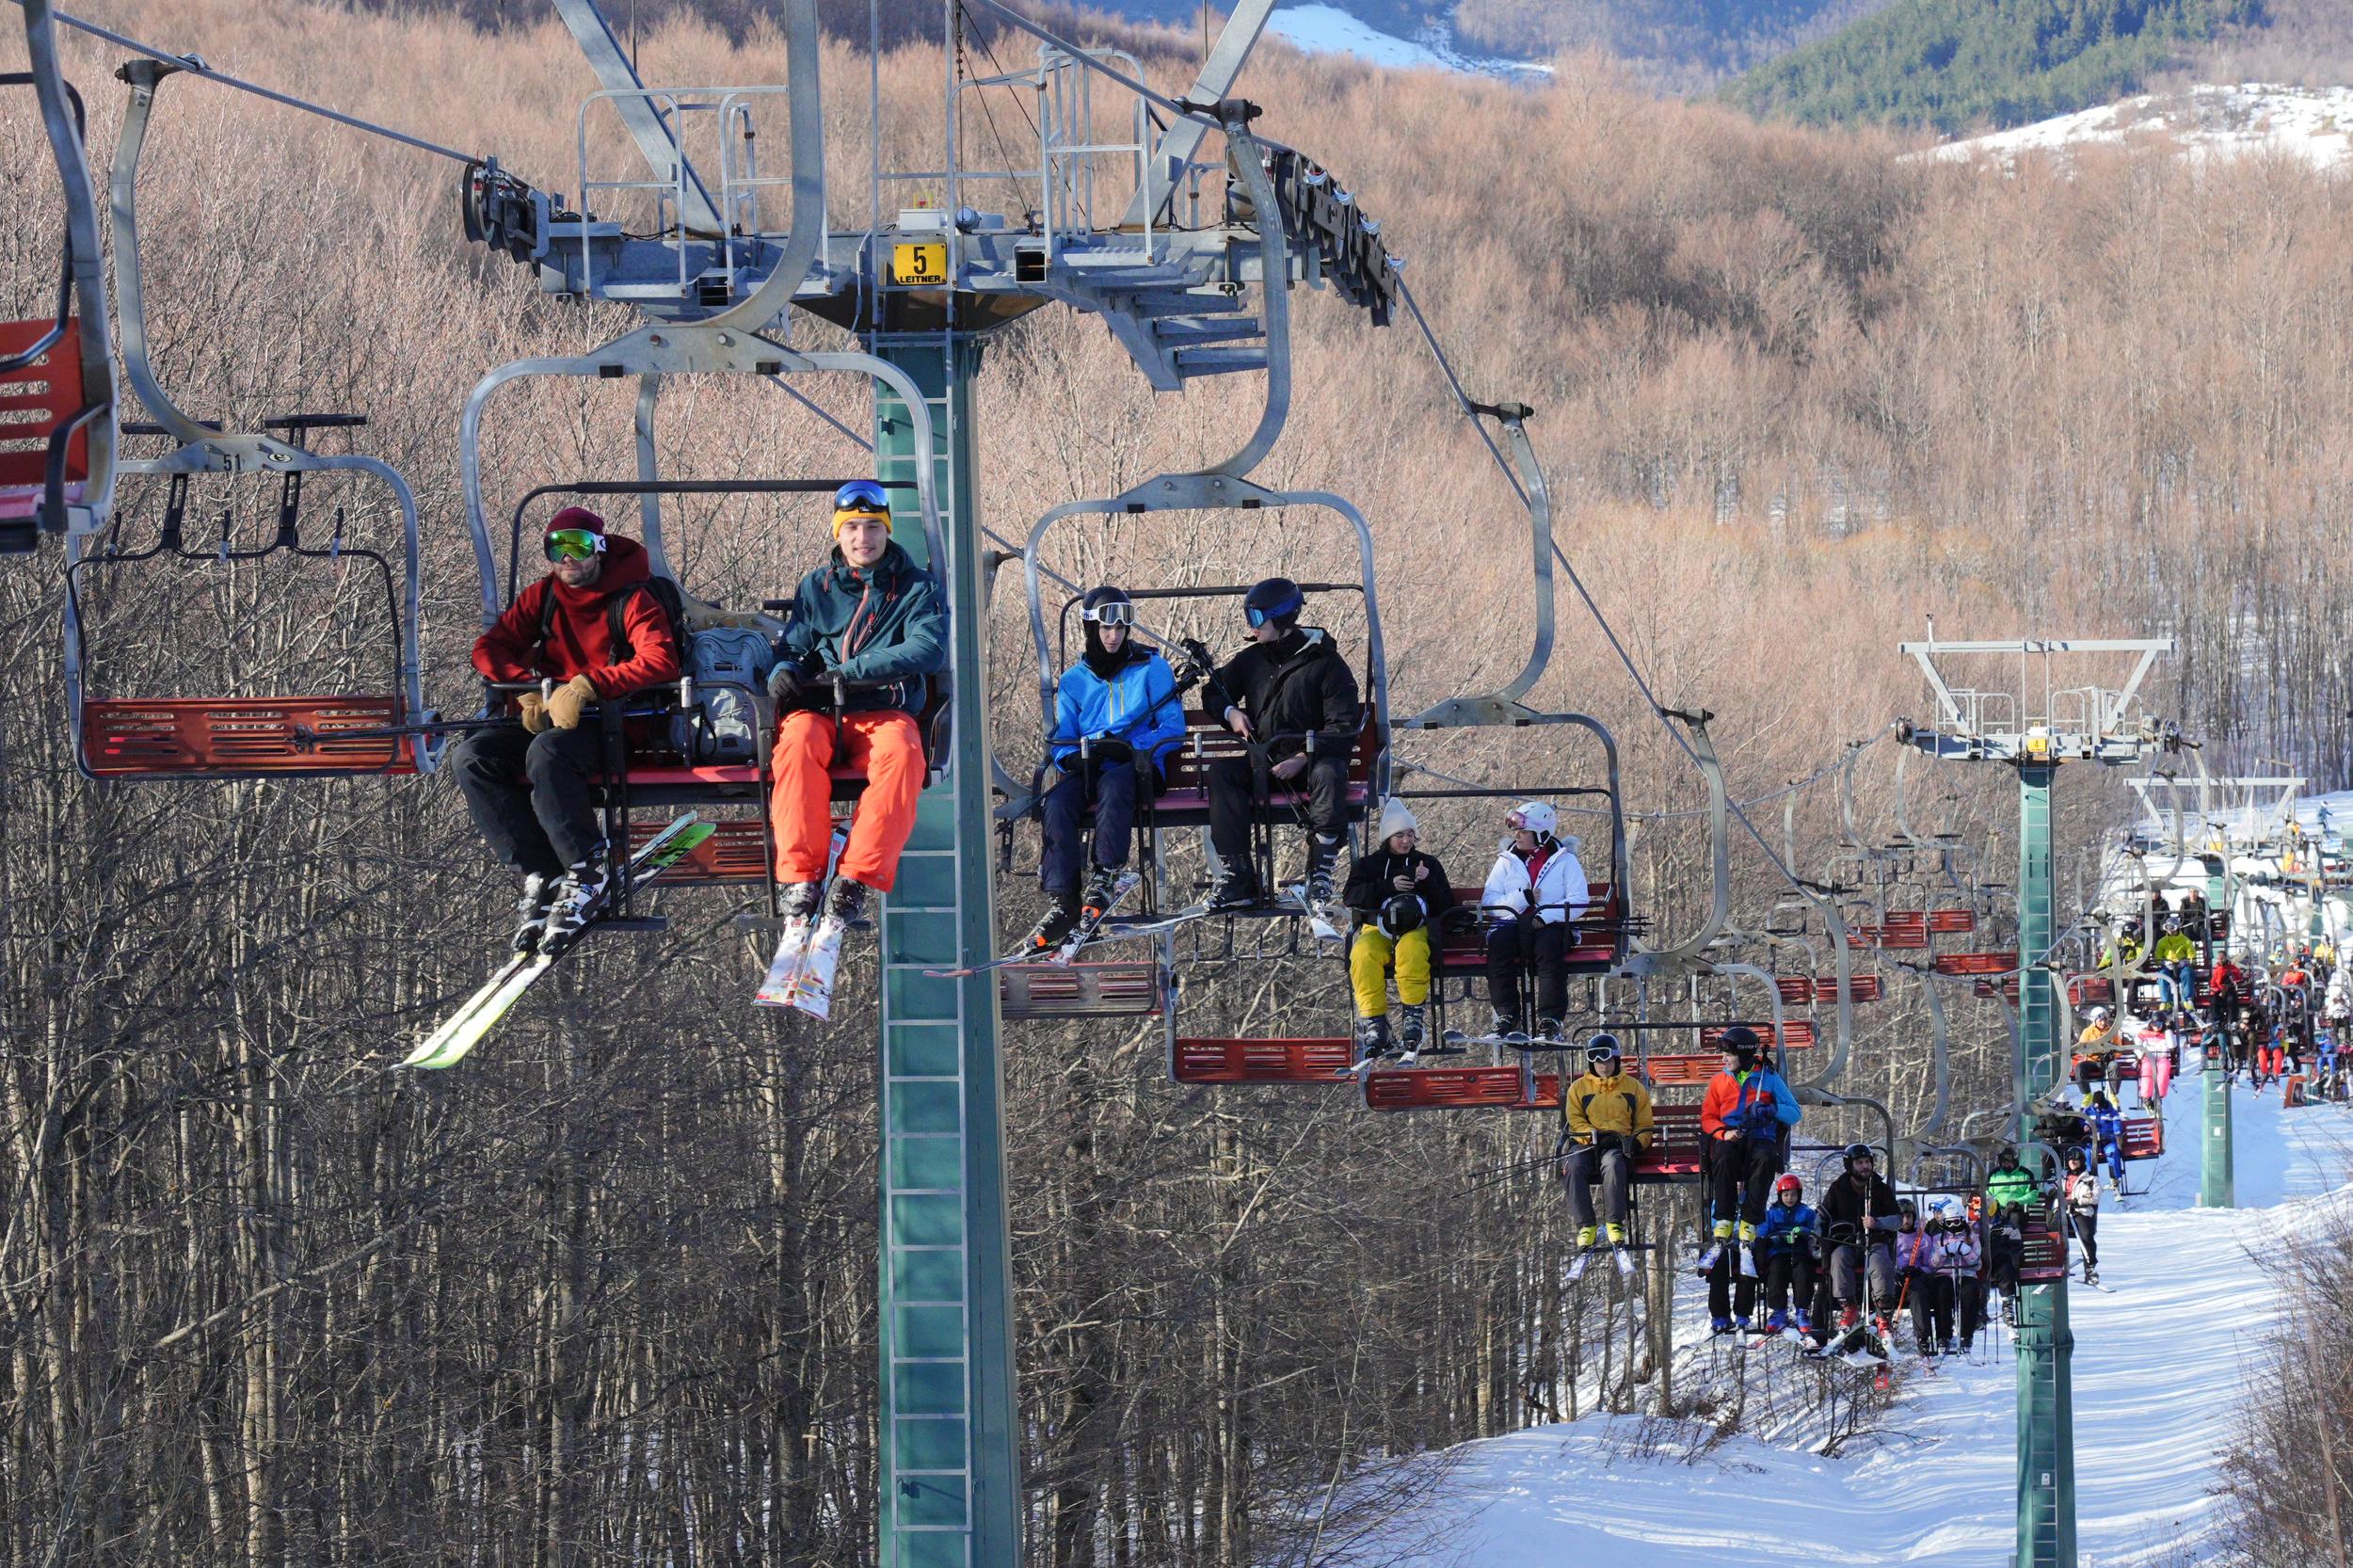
(1275, 599)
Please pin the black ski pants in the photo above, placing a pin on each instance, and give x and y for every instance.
(1117, 786)
(1525, 945)
(2086, 1228)
(1232, 785)
(1934, 1300)
(1740, 1174)
(2004, 1255)
(1789, 1281)
(1731, 1290)
(530, 793)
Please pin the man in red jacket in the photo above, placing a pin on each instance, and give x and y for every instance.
(586, 627)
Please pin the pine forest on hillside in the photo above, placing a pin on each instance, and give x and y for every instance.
(1954, 64)
(610, 1298)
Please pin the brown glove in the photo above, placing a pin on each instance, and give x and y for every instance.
(533, 709)
(570, 699)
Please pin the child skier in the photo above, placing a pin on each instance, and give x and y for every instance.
(1955, 1259)
(1787, 1239)
(2108, 1134)
(1400, 899)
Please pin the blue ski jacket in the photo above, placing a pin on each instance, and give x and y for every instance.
(1137, 703)
(1786, 1229)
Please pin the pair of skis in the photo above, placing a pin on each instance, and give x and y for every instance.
(479, 1014)
(1621, 1253)
(1092, 926)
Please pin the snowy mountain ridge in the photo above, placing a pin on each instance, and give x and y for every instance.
(2209, 120)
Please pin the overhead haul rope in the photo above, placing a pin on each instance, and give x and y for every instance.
(195, 65)
(1633, 671)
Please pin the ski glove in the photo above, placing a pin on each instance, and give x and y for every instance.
(534, 710)
(570, 699)
(784, 685)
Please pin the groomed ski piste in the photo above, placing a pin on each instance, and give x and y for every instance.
(2158, 1375)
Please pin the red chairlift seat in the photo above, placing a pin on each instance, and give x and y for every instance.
(1964, 965)
(1952, 922)
(2144, 1137)
(42, 419)
(1905, 930)
(1184, 800)
(1860, 987)
(1601, 932)
(1289, 1060)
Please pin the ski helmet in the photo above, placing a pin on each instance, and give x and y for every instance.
(1534, 816)
(1787, 1182)
(2006, 1156)
(1740, 1042)
(1906, 1208)
(1276, 600)
(1108, 606)
(2074, 1159)
(1399, 913)
(1859, 1151)
(2096, 1015)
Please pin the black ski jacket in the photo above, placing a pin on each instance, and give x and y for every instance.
(1295, 687)
(1846, 1204)
(1369, 884)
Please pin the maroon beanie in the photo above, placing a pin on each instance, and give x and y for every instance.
(576, 516)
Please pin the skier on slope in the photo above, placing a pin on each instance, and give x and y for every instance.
(1860, 1217)
(2079, 1199)
(1293, 699)
(1118, 712)
(1607, 1113)
(592, 628)
(1535, 891)
(1401, 901)
(870, 616)
(1786, 1241)
(1745, 1119)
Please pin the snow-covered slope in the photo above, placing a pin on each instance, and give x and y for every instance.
(1321, 29)
(2207, 121)
(1935, 1486)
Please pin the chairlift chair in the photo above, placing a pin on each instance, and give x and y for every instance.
(56, 373)
(140, 738)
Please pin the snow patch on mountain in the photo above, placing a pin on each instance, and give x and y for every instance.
(1321, 29)
(2207, 121)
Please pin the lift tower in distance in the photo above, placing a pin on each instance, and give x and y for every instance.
(2032, 723)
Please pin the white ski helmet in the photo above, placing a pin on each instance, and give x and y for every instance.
(2097, 1016)
(1534, 816)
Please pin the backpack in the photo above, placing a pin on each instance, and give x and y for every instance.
(722, 725)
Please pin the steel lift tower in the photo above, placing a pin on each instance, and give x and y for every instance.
(1108, 206)
(2031, 723)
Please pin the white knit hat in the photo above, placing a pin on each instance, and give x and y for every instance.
(1396, 817)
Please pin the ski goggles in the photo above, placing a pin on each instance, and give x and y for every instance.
(1117, 613)
(1258, 616)
(862, 495)
(573, 544)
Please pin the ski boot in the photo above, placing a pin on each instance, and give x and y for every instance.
(1849, 1316)
(1927, 1348)
(799, 900)
(1503, 1026)
(1411, 1026)
(1714, 1252)
(1720, 1325)
(579, 899)
(846, 903)
(1323, 853)
(1102, 885)
(2091, 1275)
(1777, 1322)
(1372, 1043)
(531, 910)
(1054, 927)
(1548, 1031)
(1617, 1235)
(1586, 1237)
(1748, 1250)
(1740, 1323)
(1802, 1321)
(1239, 890)
(1949, 1346)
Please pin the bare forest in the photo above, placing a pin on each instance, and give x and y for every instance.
(606, 1294)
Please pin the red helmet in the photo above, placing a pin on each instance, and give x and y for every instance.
(1789, 1183)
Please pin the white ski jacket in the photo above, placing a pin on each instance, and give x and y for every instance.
(1560, 894)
